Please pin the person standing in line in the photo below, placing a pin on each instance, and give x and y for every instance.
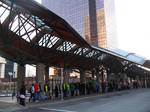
(97, 87)
(36, 89)
(64, 90)
(13, 94)
(32, 92)
(72, 89)
(40, 92)
(46, 89)
(22, 94)
(56, 91)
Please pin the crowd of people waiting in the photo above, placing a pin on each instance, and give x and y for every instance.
(69, 90)
(38, 92)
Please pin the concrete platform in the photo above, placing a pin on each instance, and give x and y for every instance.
(123, 101)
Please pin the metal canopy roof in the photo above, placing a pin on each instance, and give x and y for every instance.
(133, 58)
(30, 34)
(33, 14)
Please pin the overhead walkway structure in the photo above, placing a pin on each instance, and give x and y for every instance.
(32, 34)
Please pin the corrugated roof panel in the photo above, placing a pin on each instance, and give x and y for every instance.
(131, 56)
(136, 59)
(121, 52)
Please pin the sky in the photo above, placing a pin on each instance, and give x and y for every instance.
(38, 1)
(133, 26)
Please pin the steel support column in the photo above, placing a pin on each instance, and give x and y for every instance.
(20, 76)
(40, 72)
(82, 76)
(66, 75)
(46, 74)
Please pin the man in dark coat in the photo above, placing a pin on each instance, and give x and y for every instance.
(22, 94)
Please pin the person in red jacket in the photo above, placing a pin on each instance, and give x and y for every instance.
(36, 89)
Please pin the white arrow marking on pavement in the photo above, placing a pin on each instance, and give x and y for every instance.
(59, 110)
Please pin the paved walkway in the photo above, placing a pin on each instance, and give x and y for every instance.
(6, 106)
(8, 100)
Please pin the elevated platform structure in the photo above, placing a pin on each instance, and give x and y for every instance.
(31, 34)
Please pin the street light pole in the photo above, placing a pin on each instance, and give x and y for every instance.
(61, 84)
(10, 81)
(10, 74)
(14, 81)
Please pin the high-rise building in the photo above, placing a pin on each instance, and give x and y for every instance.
(101, 29)
(92, 19)
(110, 22)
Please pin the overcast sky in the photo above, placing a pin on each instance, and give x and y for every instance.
(38, 1)
(133, 26)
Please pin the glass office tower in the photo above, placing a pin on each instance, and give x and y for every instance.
(87, 17)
